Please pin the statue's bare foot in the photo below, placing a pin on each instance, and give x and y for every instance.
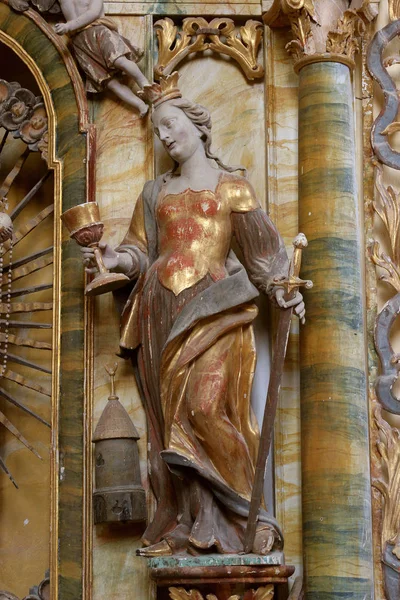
(160, 549)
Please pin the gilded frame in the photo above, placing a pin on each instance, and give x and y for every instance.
(71, 144)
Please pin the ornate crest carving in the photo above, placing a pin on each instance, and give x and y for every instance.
(197, 35)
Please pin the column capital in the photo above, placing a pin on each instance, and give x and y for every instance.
(323, 30)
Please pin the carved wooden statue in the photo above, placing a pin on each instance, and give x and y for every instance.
(189, 319)
(101, 51)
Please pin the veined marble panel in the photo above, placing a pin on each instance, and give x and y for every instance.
(124, 164)
(198, 8)
(281, 117)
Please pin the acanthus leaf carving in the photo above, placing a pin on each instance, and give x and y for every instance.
(391, 273)
(388, 209)
(197, 35)
(261, 593)
(388, 485)
(303, 44)
(304, 21)
(344, 39)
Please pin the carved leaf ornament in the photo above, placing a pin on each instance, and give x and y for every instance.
(262, 593)
(197, 35)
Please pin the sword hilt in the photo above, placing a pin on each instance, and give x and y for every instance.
(293, 281)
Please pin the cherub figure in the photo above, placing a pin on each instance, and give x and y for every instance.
(101, 51)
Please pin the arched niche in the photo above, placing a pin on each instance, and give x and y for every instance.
(71, 139)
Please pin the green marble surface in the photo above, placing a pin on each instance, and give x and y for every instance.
(336, 490)
(216, 560)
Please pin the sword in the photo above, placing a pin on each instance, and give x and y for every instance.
(291, 285)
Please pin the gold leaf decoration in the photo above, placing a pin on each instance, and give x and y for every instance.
(382, 260)
(387, 208)
(182, 594)
(344, 39)
(394, 10)
(392, 128)
(389, 483)
(303, 44)
(174, 45)
(197, 35)
(243, 48)
(262, 593)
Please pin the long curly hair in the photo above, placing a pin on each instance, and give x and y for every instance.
(201, 119)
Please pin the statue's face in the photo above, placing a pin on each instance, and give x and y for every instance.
(179, 136)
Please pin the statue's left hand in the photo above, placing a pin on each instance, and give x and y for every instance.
(297, 303)
(62, 28)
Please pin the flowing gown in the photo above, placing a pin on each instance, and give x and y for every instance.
(189, 317)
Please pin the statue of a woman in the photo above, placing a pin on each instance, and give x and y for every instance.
(189, 318)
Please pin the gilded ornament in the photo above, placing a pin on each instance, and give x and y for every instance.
(344, 39)
(388, 485)
(303, 44)
(197, 35)
(391, 273)
(388, 208)
(262, 593)
(394, 10)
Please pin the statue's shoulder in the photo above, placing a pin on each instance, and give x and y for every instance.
(238, 193)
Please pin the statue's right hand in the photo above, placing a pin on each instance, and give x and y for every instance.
(110, 258)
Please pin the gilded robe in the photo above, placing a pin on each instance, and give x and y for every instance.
(190, 318)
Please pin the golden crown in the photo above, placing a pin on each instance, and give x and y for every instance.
(167, 89)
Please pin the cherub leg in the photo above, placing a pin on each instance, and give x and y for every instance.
(126, 94)
(130, 68)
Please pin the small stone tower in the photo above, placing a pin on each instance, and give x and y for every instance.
(118, 495)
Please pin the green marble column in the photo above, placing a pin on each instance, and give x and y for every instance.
(335, 451)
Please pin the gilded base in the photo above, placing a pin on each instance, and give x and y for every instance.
(106, 282)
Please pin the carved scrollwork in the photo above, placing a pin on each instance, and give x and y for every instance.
(197, 35)
(262, 593)
(385, 124)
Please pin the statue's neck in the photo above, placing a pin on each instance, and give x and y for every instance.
(196, 166)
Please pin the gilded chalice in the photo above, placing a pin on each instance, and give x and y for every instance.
(86, 228)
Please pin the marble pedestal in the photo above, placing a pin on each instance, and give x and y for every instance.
(221, 575)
